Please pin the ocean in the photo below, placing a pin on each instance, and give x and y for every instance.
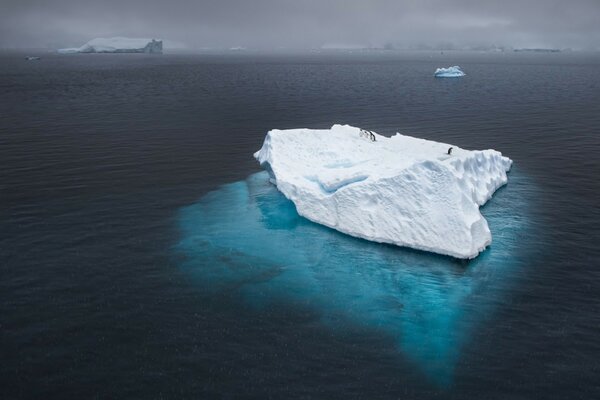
(143, 253)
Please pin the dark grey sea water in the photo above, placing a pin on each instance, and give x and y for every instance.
(143, 255)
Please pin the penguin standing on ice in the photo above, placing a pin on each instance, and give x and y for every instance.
(450, 151)
(367, 134)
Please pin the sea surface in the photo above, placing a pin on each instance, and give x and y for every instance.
(143, 253)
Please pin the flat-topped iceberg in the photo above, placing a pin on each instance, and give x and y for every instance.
(450, 72)
(117, 45)
(400, 190)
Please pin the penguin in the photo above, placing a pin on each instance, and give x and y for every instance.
(450, 151)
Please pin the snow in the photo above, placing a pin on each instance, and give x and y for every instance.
(450, 72)
(400, 190)
(117, 45)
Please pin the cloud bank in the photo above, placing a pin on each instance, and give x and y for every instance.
(268, 24)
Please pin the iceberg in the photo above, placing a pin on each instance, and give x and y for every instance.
(399, 190)
(450, 72)
(117, 45)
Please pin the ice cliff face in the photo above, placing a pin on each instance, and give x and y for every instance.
(400, 190)
(118, 45)
(450, 72)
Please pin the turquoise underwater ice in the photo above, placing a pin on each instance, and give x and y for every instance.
(247, 237)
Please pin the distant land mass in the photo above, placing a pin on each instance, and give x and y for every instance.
(538, 50)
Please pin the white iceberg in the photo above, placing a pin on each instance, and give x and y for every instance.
(400, 190)
(450, 72)
(117, 45)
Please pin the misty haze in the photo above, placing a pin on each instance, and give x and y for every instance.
(273, 199)
(275, 24)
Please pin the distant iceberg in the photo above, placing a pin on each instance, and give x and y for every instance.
(450, 72)
(537, 50)
(117, 45)
(400, 190)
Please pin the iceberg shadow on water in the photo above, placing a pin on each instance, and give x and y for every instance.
(246, 237)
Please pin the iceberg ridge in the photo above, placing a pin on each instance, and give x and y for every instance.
(399, 190)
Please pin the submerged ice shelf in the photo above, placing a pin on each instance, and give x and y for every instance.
(400, 190)
(245, 239)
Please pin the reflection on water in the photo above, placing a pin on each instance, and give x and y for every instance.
(246, 237)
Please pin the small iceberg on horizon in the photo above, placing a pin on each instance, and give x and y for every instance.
(400, 190)
(117, 45)
(450, 72)
(33, 58)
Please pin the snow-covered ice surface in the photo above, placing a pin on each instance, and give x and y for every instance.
(400, 190)
(450, 72)
(117, 45)
(246, 241)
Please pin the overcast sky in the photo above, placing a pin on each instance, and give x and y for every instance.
(305, 23)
